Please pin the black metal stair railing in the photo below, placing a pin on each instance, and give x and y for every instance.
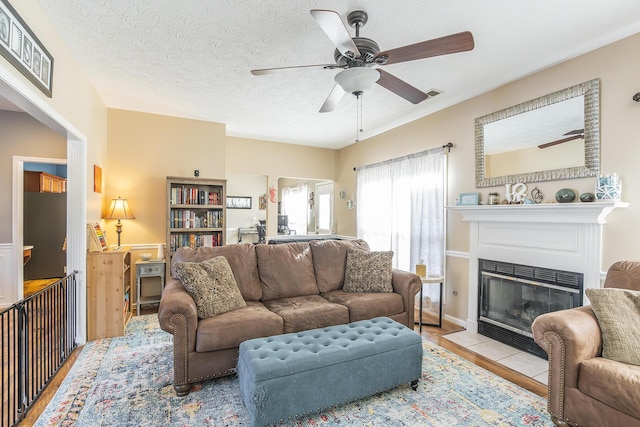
(38, 335)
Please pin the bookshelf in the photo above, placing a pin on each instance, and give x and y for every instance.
(108, 293)
(196, 212)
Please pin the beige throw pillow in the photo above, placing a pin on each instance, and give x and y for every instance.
(211, 285)
(368, 271)
(618, 313)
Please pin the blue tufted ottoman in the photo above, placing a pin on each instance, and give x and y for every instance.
(287, 376)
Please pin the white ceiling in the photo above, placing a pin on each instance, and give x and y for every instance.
(191, 58)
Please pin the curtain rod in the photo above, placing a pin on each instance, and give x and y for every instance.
(448, 146)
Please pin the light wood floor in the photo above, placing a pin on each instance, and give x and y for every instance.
(434, 334)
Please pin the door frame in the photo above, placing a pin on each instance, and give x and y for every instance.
(23, 96)
(318, 187)
(18, 203)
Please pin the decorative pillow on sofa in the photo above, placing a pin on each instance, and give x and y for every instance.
(618, 314)
(211, 285)
(368, 271)
(330, 261)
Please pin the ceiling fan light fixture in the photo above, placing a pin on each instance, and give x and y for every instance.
(357, 79)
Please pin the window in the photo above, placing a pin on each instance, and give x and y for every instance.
(294, 205)
(400, 207)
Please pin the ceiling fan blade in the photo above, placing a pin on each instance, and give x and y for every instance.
(264, 71)
(333, 99)
(574, 132)
(453, 43)
(401, 88)
(560, 141)
(334, 28)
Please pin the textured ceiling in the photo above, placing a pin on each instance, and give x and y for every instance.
(191, 58)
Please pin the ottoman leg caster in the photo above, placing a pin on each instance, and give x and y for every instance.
(414, 385)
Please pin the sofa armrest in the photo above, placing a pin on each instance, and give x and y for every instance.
(178, 314)
(569, 337)
(406, 284)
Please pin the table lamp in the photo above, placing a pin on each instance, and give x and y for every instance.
(119, 209)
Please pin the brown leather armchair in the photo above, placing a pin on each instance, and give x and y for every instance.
(586, 389)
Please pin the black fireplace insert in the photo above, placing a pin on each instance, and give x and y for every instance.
(511, 296)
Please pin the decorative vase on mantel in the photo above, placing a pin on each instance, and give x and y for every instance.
(565, 195)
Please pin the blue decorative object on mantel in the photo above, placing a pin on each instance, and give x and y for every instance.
(565, 195)
(608, 187)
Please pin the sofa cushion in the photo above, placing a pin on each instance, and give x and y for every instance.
(368, 271)
(211, 285)
(286, 270)
(366, 305)
(308, 312)
(611, 383)
(242, 259)
(330, 261)
(228, 330)
(618, 314)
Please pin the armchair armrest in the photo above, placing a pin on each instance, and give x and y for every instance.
(406, 284)
(569, 337)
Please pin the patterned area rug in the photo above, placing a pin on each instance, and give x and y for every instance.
(126, 381)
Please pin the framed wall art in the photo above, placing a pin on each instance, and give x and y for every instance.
(23, 50)
(235, 202)
(468, 199)
(97, 179)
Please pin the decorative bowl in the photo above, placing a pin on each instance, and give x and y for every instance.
(145, 256)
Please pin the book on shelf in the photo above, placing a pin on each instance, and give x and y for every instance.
(184, 218)
(194, 240)
(184, 195)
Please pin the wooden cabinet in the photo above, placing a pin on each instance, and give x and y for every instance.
(108, 293)
(196, 212)
(42, 182)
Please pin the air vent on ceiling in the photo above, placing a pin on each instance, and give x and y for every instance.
(433, 92)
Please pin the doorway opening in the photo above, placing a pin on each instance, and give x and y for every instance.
(44, 224)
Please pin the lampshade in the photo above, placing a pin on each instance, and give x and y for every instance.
(357, 79)
(119, 209)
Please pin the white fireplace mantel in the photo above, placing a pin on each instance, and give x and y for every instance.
(561, 236)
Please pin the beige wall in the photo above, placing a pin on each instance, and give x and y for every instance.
(616, 66)
(21, 135)
(143, 149)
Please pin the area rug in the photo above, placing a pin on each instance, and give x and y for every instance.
(127, 381)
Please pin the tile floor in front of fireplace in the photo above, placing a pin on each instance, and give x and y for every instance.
(520, 361)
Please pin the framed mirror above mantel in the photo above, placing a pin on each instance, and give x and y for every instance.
(553, 137)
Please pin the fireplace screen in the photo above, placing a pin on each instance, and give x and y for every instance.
(512, 296)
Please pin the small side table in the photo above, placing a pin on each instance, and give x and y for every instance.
(431, 280)
(152, 268)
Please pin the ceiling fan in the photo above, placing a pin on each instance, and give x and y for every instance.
(360, 57)
(574, 134)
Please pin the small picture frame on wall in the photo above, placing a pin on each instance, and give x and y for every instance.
(237, 202)
(97, 179)
(468, 199)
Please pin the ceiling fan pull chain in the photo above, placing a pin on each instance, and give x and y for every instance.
(358, 115)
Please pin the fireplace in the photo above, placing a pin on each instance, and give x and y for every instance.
(563, 237)
(511, 296)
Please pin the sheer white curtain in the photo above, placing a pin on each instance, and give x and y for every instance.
(294, 205)
(400, 207)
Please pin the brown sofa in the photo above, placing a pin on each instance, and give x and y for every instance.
(586, 389)
(287, 288)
